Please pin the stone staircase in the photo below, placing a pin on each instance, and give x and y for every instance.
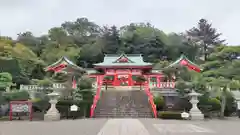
(120, 104)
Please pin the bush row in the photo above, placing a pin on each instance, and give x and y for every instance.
(42, 104)
(169, 115)
(209, 107)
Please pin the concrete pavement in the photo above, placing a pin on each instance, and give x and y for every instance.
(121, 127)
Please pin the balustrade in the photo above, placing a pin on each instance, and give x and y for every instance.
(163, 85)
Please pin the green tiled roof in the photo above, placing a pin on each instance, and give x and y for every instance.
(133, 60)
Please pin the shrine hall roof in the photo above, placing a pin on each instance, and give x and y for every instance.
(123, 60)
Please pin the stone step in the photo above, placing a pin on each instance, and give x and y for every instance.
(130, 109)
(123, 104)
(124, 110)
(122, 116)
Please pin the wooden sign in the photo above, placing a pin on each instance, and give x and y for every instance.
(20, 108)
(136, 71)
(121, 71)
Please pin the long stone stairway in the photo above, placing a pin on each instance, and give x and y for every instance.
(119, 104)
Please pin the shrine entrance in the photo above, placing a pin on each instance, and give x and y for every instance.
(123, 80)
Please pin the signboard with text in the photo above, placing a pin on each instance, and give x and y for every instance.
(20, 108)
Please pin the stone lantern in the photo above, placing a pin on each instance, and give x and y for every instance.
(53, 114)
(195, 112)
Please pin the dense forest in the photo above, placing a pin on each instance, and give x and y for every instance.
(85, 42)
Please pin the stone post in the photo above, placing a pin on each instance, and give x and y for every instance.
(53, 114)
(236, 95)
(195, 113)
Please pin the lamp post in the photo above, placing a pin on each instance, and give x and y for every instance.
(195, 113)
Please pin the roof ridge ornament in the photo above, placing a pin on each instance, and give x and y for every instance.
(123, 59)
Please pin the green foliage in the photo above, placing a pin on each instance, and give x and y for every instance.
(207, 104)
(84, 91)
(85, 83)
(44, 82)
(108, 78)
(206, 36)
(60, 77)
(159, 102)
(16, 96)
(170, 115)
(63, 107)
(5, 80)
(40, 104)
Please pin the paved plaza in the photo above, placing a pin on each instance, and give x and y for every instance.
(121, 127)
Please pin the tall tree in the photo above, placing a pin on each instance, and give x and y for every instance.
(144, 39)
(82, 31)
(32, 42)
(110, 40)
(206, 36)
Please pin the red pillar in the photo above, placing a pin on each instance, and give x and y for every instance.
(115, 78)
(158, 81)
(130, 79)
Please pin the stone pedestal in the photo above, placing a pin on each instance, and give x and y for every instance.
(52, 114)
(195, 113)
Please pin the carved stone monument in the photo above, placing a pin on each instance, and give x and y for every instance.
(195, 113)
(53, 114)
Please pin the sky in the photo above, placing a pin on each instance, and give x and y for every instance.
(38, 16)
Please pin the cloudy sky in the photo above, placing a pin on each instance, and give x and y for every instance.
(169, 15)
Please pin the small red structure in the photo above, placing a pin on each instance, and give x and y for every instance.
(23, 107)
(184, 61)
(64, 64)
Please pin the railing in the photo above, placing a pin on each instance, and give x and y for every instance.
(96, 98)
(150, 100)
(163, 85)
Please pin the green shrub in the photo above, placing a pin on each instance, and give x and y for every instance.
(159, 102)
(63, 107)
(16, 96)
(169, 115)
(215, 103)
(208, 104)
(40, 105)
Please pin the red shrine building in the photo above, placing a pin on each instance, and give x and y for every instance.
(122, 70)
(125, 70)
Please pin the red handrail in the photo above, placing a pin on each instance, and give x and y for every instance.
(96, 98)
(150, 100)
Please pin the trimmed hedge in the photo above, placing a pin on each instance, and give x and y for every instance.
(15, 96)
(170, 115)
(159, 102)
(63, 107)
